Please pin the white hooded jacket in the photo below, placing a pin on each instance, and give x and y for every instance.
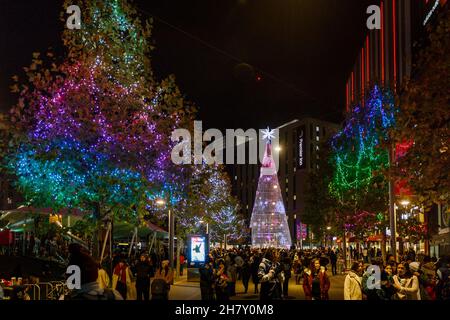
(352, 287)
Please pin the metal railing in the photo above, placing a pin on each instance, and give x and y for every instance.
(47, 290)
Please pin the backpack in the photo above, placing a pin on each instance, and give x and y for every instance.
(159, 287)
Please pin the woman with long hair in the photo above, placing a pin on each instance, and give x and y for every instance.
(122, 278)
(405, 283)
(316, 283)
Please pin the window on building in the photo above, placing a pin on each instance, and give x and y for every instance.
(295, 169)
(317, 138)
(287, 180)
(317, 148)
(317, 129)
(235, 177)
(295, 197)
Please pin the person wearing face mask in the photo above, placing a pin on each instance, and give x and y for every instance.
(406, 283)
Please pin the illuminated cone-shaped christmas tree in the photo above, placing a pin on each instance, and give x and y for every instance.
(269, 222)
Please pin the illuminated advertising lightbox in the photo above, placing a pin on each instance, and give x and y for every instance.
(197, 250)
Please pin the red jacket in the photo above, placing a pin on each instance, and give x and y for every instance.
(308, 281)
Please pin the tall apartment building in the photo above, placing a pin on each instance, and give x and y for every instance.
(299, 143)
(386, 56)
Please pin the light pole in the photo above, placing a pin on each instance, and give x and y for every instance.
(392, 213)
(162, 202)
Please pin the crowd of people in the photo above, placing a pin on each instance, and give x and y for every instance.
(267, 274)
(270, 271)
(408, 279)
(148, 276)
(369, 278)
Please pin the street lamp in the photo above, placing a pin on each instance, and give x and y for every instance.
(162, 202)
(404, 202)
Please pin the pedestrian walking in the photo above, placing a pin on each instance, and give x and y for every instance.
(143, 272)
(286, 267)
(122, 278)
(254, 262)
(207, 282)
(160, 286)
(333, 260)
(246, 274)
(103, 278)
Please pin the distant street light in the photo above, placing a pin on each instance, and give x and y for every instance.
(328, 228)
(160, 202)
(404, 202)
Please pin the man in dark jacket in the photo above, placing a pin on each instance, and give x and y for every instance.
(268, 274)
(143, 271)
(207, 281)
(333, 260)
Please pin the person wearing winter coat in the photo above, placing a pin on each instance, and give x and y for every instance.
(406, 284)
(269, 273)
(352, 284)
(223, 277)
(143, 271)
(254, 267)
(429, 277)
(103, 278)
(246, 273)
(207, 282)
(160, 287)
(316, 283)
(122, 278)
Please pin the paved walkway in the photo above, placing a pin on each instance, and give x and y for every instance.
(184, 290)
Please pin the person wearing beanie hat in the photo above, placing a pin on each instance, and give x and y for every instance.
(414, 266)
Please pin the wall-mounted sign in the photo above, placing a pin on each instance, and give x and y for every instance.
(301, 148)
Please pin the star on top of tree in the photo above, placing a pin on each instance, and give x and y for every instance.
(268, 134)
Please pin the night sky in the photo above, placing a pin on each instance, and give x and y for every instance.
(244, 63)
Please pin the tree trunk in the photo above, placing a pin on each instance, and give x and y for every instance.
(383, 245)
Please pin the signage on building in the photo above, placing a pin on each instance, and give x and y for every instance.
(301, 148)
(302, 230)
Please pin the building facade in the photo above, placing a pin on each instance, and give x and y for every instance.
(386, 56)
(299, 142)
